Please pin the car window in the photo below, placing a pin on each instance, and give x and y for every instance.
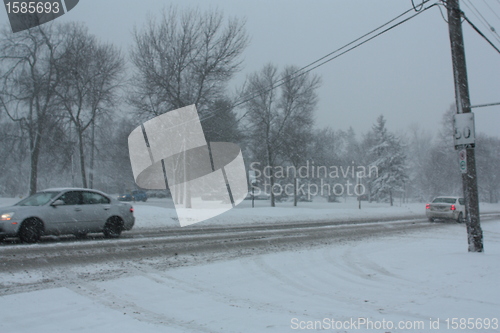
(37, 199)
(92, 198)
(72, 198)
(461, 201)
(445, 200)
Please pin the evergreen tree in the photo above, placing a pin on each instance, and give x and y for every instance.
(389, 158)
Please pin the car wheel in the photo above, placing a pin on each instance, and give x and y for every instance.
(113, 227)
(460, 218)
(30, 231)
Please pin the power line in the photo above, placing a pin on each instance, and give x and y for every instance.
(479, 32)
(421, 5)
(441, 12)
(302, 71)
(291, 76)
(486, 3)
(482, 19)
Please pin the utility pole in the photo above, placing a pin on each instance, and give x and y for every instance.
(469, 177)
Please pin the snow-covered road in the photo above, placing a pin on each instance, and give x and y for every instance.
(226, 242)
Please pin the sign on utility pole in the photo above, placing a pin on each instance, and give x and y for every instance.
(464, 127)
(462, 160)
(465, 134)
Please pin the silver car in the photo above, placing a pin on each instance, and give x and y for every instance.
(451, 208)
(61, 211)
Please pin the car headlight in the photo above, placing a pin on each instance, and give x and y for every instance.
(6, 216)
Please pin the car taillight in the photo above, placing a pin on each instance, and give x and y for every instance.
(452, 207)
(427, 206)
(131, 209)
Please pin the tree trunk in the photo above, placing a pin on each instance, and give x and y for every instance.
(35, 153)
(295, 191)
(271, 175)
(92, 147)
(82, 157)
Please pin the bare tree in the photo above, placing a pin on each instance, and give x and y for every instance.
(280, 121)
(112, 155)
(329, 148)
(91, 74)
(298, 102)
(185, 58)
(442, 174)
(419, 151)
(262, 115)
(13, 148)
(28, 85)
(488, 160)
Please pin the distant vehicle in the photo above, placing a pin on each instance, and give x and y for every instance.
(136, 195)
(163, 194)
(125, 197)
(61, 211)
(158, 193)
(448, 208)
(139, 195)
(151, 194)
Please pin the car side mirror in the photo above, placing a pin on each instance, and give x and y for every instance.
(57, 203)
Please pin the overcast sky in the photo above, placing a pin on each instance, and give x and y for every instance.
(405, 74)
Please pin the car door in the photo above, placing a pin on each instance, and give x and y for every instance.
(97, 209)
(66, 217)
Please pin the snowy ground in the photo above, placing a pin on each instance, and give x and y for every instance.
(410, 280)
(160, 212)
(421, 280)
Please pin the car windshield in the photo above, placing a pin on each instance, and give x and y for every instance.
(37, 199)
(445, 200)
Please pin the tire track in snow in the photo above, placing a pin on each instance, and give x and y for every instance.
(119, 303)
(200, 287)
